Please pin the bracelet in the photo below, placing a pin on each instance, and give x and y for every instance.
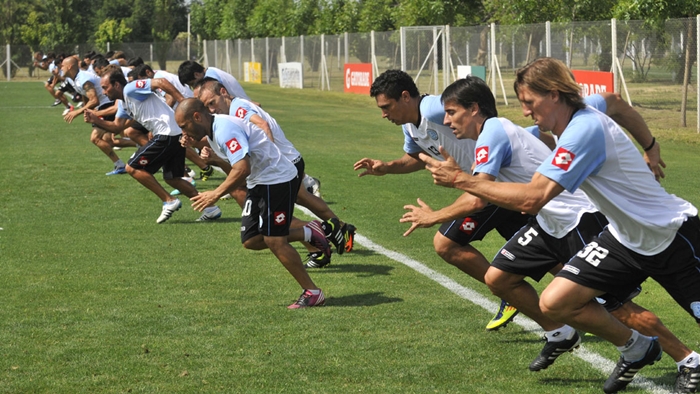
(455, 178)
(653, 142)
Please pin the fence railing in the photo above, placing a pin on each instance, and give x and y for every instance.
(640, 55)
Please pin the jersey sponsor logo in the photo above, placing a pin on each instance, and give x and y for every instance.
(241, 112)
(233, 145)
(482, 154)
(695, 307)
(280, 218)
(468, 226)
(143, 160)
(432, 134)
(563, 159)
(510, 256)
(571, 269)
(140, 84)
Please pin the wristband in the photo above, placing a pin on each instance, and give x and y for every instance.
(653, 142)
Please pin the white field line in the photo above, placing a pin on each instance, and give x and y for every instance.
(597, 361)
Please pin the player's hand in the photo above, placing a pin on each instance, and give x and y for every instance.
(204, 200)
(205, 153)
(444, 172)
(186, 141)
(89, 116)
(70, 116)
(418, 216)
(371, 167)
(654, 161)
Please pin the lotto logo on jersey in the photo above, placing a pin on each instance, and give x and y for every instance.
(241, 113)
(280, 218)
(563, 159)
(140, 84)
(468, 226)
(482, 154)
(233, 145)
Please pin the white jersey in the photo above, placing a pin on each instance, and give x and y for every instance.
(81, 78)
(431, 133)
(593, 153)
(175, 81)
(231, 84)
(244, 109)
(512, 154)
(148, 108)
(234, 138)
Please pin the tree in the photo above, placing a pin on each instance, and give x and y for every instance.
(111, 31)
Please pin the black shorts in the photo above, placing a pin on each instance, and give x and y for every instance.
(138, 126)
(268, 210)
(606, 265)
(50, 80)
(532, 252)
(109, 118)
(299, 164)
(66, 88)
(475, 227)
(161, 151)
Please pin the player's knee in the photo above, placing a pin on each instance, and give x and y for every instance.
(550, 306)
(444, 247)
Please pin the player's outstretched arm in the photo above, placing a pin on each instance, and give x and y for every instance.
(423, 216)
(235, 178)
(406, 164)
(626, 116)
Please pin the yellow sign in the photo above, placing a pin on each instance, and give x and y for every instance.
(252, 72)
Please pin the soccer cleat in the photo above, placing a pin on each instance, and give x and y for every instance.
(210, 213)
(79, 105)
(552, 350)
(506, 313)
(117, 171)
(56, 102)
(317, 260)
(333, 231)
(205, 174)
(318, 238)
(175, 192)
(307, 300)
(687, 380)
(349, 235)
(65, 111)
(190, 172)
(624, 371)
(169, 208)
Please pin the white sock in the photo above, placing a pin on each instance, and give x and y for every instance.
(692, 361)
(636, 347)
(560, 334)
(119, 163)
(307, 234)
(314, 291)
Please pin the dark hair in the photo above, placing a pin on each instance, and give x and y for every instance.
(186, 71)
(96, 56)
(392, 83)
(51, 55)
(470, 90)
(547, 74)
(100, 62)
(89, 55)
(115, 75)
(109, 54)
(142, 70)
(203, 81)
(211, 84)
(134, 61)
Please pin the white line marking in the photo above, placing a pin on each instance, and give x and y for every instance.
(597, 361)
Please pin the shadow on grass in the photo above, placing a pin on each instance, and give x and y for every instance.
(363, 270)
(367, 299)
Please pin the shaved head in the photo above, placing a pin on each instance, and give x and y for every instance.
(69, 67)
(193, 118)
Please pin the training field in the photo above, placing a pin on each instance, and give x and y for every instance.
(96, 297)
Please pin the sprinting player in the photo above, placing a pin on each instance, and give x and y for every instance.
(140, 103)
(562, 227)
(272, 184)
(218, 101)
(651, 232)
(421, 118)
(88, 85)
(190, 72)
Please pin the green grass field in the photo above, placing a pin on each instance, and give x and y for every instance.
(98, 298)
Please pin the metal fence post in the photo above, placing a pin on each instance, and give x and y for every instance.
(697, 73)
(613, 55)
(492, 64)
(548, 38)
(267, 59)
(8, 63)
(403, 48)
(347, 51)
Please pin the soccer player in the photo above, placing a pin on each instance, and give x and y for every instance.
(562, 227)
(190, 72)
(272, 183)
(218, 101)
(139, 102)
(88, 85)
(421, 118)
(651, 233)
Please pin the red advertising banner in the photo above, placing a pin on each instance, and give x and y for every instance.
(593, 82)
(358, 78)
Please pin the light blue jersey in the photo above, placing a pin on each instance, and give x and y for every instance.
(231, 84)
(148, 108)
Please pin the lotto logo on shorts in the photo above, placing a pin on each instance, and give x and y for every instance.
(241, 112)
(482, 154)
(468, 226)
(140, 84)
(233, 145)
(143, 161)
(563, 159)
(280, 218)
